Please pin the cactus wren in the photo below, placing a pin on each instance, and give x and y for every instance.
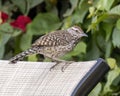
(54, 45)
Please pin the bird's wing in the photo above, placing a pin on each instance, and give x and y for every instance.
(54, 39)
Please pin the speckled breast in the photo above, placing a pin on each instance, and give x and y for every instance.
(56, 51)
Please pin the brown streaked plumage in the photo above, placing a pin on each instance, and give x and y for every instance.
(54, 44)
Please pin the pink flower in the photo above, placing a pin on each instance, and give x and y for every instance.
(21, 22)
(3, 17)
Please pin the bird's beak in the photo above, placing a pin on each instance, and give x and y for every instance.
(85, 35)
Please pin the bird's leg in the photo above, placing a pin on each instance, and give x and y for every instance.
(53, 66)
(67, 63)
(58, 61)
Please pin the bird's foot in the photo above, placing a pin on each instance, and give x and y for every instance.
(12, 62)
(66, 64)
(54, 66)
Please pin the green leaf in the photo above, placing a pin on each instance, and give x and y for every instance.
(5, 34)
(118, 24)
(74, 5)
(6, 28)
(91, 11)
(111, 62)
(2, 50)
(25, 42)
(32, 57)
(3, 40)
(21, 4)
(96, 90)
(112, 75)
(80, 12)
(100, 38)
(108, 49)
(108, 4)
(116, 82)
(116, 37)
(78, 15)
(80, 48)
(108, 29)
(96, 20)
(26, 5)
(115, 10)
(93, 51)
(105, 4)
(16, 33)
(43, 23)
(0, 4)
(34, 3)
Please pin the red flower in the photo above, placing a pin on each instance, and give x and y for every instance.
(21, 22)
(3, 17)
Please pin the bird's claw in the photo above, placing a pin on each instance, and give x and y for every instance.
(54, 66)
(66, 64)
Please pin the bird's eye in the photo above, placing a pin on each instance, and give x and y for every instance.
(76, 30)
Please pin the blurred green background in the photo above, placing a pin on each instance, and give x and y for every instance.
(100, 19)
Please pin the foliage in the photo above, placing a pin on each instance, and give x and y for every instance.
(99, 18)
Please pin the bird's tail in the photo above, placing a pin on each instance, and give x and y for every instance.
(21, 55)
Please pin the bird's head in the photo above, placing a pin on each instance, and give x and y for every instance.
(76, 31)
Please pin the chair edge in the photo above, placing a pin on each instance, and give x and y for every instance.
(92, 77)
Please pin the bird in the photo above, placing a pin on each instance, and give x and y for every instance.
(54, 45)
